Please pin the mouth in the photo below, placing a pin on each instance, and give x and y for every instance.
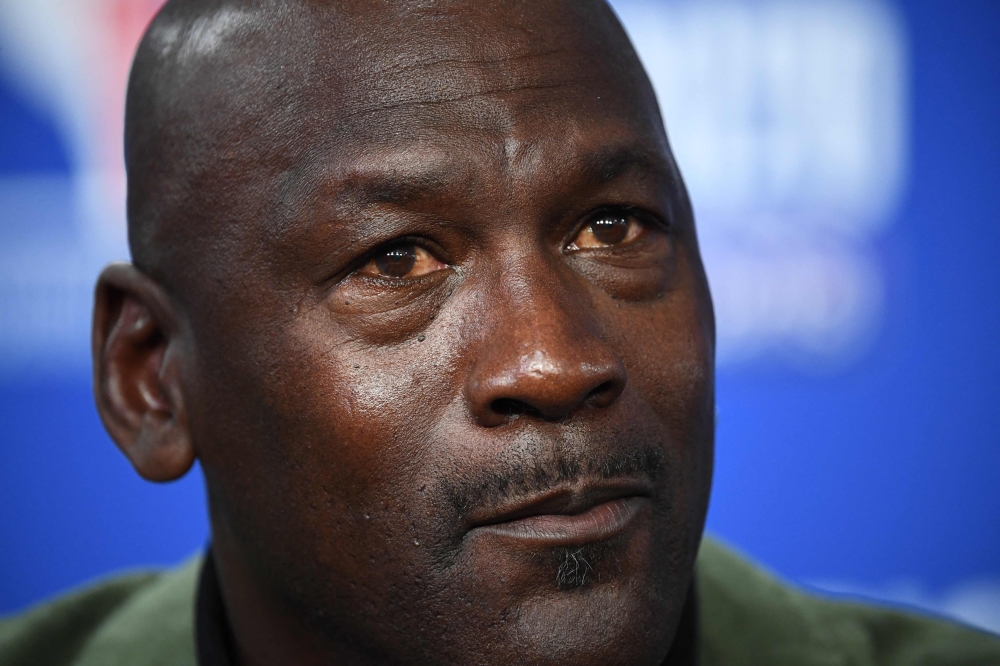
(569, 516)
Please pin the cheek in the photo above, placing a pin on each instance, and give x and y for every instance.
(668, 349)
(317, 459)
(349, 422)
(669, 358)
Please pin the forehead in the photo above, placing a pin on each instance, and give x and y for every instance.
(556, 60)
(307, 93)
(303, 75)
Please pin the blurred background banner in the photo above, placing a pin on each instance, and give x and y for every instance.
(790, 123)
(843, 160)
(64, 65)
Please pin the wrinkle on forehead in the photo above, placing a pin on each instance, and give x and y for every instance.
(447, 92)
(447, 59)
(433, 70)
(459, 62)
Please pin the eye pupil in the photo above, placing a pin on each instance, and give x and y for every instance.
(610, 228)
(397, 261)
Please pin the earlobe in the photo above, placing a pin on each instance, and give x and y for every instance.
(137, 354)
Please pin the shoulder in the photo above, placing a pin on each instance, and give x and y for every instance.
(748, 617)
(142, 619)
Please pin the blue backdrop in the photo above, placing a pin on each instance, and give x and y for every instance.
(879, 475)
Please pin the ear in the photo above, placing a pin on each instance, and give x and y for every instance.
(138, 362)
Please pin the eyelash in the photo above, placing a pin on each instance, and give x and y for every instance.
(645, 217)
(370, 256)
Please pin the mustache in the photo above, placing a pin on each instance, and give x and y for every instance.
(519, 475)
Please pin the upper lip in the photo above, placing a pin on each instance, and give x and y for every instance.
(564, 500)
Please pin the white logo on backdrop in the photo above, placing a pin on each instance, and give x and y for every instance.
(788, 120)
(69, 59)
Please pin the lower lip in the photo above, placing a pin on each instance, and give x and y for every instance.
(595, 524)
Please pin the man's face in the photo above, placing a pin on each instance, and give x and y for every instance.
(453, 387)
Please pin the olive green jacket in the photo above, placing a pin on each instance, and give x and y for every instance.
(746, 618)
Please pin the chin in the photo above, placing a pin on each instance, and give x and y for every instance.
(606, 602)
(606, 623)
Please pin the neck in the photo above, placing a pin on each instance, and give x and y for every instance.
(252, 626)
(684, 651)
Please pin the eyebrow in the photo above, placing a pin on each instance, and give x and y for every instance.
(403, 185)
(606, 165)
(395, 188)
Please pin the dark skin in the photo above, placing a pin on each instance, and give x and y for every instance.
(418, 285)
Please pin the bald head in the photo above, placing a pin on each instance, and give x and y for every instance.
(234, 105)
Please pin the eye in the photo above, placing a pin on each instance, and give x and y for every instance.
(606, 229)
(402, 261)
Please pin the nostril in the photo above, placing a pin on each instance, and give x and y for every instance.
(512, 407)
(602, 394)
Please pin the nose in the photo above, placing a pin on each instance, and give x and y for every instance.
(542, 360)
